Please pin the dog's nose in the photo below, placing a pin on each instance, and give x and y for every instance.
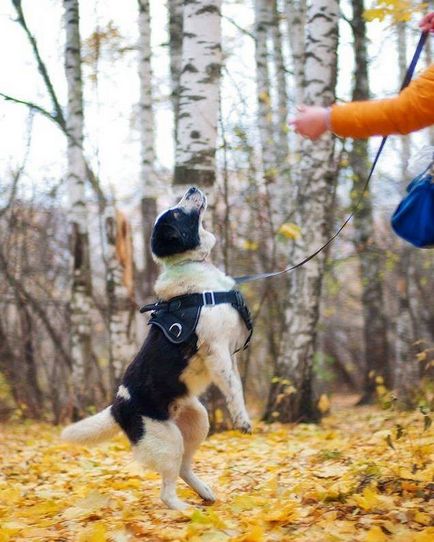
(191, 191)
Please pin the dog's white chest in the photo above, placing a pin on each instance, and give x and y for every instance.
(196, 376)
(219, 327)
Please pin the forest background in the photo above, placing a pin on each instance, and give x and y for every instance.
(94, 151)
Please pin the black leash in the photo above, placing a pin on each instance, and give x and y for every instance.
(407, 79)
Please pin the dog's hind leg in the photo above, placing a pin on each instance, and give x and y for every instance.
(161, 448)
(194, 426)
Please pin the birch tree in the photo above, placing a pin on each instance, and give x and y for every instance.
(295, 11)
(147, 139)
(199, 93)
(175, 46)
(374, 319)
(81, 301)
(296, 19)
(291, 395)
(282, 153)
(263, 20)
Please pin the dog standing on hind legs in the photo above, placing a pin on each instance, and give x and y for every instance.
(197, 325)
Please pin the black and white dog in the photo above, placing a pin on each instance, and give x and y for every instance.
(200, 321)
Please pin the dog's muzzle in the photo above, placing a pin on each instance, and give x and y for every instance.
(193, 199)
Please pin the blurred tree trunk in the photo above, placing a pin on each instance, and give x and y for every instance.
(120, 292)
(374, 320)
(199, 93)
(147, 139)
(406, 378)
(296, 29)
(291, 396)
(281, 142)
(9, 367)
(29, 372)
(263, 23)
(282, 93)
(296, 21)
(175, 46)
(81, 295)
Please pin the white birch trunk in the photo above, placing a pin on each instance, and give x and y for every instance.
(263, 19)
(285, 186)
(81, 302)
(175, 45)
(146, 115)
(295, 11)
(121, 308)
(199, 93)
(291, 395)
(296, 20)
(148, 178)
(282, 153)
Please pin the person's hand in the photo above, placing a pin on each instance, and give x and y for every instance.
(311, 121)
(427, 23)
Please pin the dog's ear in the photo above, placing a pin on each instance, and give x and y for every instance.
(166, 240)
(169, 233)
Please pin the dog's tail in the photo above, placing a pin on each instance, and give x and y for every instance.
(93, 430)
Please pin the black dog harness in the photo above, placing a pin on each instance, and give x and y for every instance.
(178, 317)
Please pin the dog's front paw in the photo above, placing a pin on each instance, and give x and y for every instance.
(244, 426)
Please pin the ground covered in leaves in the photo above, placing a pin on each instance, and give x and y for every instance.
(363, 475)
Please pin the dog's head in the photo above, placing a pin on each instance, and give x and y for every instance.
(178, 233)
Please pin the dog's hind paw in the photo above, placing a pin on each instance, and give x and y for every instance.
(175, 504)
(244, 427)
(206, 493)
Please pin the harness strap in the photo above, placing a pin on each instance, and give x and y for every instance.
(178, 316)
(407, 79)
(204, 299)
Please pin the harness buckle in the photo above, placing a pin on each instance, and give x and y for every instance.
(150, 307)
(205, 298)
(176, 329)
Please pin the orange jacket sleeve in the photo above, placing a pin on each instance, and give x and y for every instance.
(412, 110)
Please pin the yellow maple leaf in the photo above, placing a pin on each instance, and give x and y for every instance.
(250, 245)
(255, 533)
(324, 404)
(426, 535)
(375, 534)
(368, 500)
(290, 231)
(423, 518)
(93, 533)
(421, 356)
(264, 97)
(285, 514)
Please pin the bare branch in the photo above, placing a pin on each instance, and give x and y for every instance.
(240, 28)
(58, 117)
(41, 64)
(17, 174)
(32, 106)
(36, 307)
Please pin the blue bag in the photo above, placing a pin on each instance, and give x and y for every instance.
(413, 220)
